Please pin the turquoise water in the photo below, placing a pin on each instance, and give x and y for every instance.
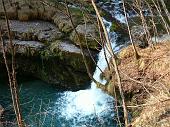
(45, 106)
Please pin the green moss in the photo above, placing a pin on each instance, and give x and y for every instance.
(45, 54)
(91, 42)
(90, 9)
(113, 27)
(76, 11)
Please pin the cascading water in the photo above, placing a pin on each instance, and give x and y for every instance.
(45, 106)
(114, 8)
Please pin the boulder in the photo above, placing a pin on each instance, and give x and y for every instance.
(45, 12)
(60, 64)
(90, 1)
(49, 36)
(72, 54)
(10, 10)
(1, 125)
(88, 34)
(139, 36)
(63, 22)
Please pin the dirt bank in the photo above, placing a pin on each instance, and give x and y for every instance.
(146, 84)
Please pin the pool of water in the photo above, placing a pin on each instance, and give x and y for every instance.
(45, 106)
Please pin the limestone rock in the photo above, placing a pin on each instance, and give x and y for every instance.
(43, 49)
(49, 36)
(72, 54)
(63, 22)
(26, 13)
(12, 12)
(88, 36)
(31, 48)
(34, 30)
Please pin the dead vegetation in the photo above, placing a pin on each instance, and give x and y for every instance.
(146, 85)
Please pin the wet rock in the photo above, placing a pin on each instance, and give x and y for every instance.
(88, 34)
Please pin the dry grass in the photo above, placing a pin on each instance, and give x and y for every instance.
(152, 68)
(156, 114)
(146, 84)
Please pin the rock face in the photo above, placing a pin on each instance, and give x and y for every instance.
(24, 47)
(88, 36)
(34, 10)
(55, 61)
(34, 30)
(48, 49)
(63, 22)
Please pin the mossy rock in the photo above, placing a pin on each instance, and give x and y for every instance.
(88, 36)
(11, 13)
(71, 55)
(116, 26)
(26, 13)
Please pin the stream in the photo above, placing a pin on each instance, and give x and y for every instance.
(45, 106)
